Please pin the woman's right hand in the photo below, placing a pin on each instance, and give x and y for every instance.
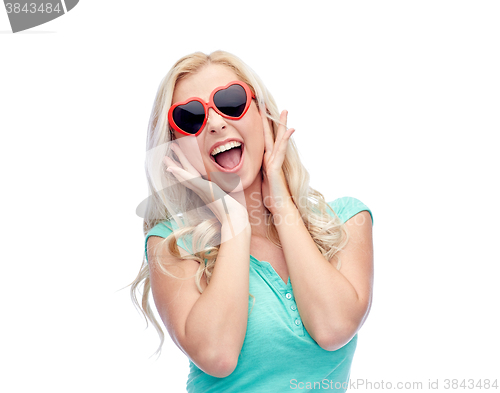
(209, 192)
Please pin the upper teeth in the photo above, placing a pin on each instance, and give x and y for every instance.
(225, 147)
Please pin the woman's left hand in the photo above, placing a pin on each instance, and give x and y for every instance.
(275, 191)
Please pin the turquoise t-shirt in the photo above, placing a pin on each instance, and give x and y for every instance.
(278, 354)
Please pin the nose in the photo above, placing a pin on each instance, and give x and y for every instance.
(215, 122)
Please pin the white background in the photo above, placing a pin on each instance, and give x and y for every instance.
(395, 103)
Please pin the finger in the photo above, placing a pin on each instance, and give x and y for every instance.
(170, 162)
(176, 169)
(282, 127)
(177, 172)
(279, 156)
(182, 158)
(281, 131)
(199, 185)
(203, 188)
(268, 136)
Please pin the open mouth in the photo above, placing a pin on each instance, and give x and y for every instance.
(230, 160)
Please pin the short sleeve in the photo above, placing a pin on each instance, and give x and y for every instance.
(347, 207)
(163, 229)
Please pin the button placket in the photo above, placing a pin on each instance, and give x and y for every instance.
(296, 321)
(283, 290)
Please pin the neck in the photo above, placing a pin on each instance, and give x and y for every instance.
(255, 207)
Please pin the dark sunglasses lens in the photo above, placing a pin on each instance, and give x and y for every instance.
(189, 117)
(231, 101)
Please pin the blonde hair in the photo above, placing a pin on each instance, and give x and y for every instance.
(170, 200)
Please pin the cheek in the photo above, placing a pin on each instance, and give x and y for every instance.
(256, 154)
(255, 139)
(191, 148)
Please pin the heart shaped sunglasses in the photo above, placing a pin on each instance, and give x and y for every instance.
(231, 101)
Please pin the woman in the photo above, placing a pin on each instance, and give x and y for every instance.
(231, 224)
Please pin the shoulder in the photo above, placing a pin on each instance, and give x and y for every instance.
(347, 207)
(162, 229)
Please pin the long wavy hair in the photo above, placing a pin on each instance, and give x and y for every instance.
(171, 201)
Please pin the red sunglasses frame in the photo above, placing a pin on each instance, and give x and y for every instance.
(211, 104)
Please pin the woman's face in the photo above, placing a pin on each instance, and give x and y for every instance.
(248, 130)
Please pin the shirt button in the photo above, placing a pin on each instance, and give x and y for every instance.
(297, 322)
(288, 295)
(293, 307)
